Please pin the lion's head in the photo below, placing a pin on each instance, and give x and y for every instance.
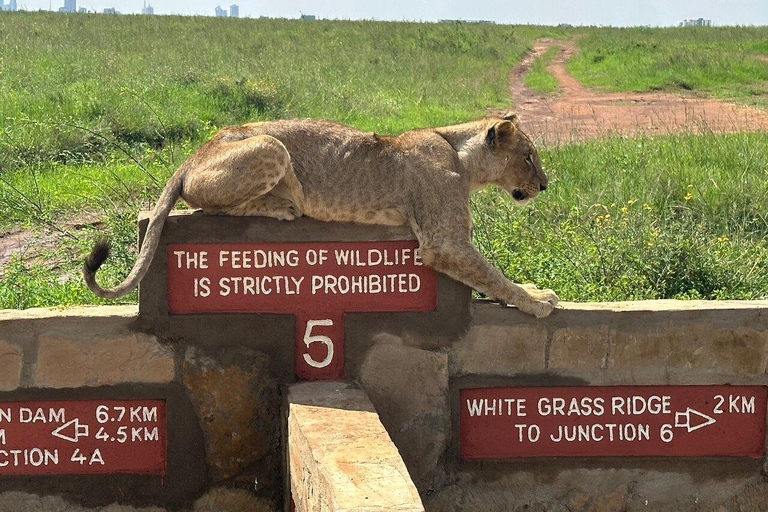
(520, 171)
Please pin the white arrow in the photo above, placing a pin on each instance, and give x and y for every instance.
(78, 431)
(683, 419)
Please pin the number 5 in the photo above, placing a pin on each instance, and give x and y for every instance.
(309, 338)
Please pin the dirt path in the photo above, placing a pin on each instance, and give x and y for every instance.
(575, 113)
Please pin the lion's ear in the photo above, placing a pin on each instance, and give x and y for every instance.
(513, 118)
(499, 133)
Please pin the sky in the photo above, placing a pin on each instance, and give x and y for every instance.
(544, 12)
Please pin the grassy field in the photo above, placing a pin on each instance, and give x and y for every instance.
(97, 111)
(628, 219)
(538, 78)
(75, 88)
(716, 61)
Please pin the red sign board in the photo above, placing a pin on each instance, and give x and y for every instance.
(615, 421)
(316, 281)
(61, 437)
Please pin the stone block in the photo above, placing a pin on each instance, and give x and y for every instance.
(499, 350)
(340, 455)
(10, 366)
(238, 404)
(579, 348)
(65, 360)
(738, 350)
(409, 388)
(231, 500)
(614, 501)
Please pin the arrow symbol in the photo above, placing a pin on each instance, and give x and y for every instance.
(683, 419)
(78, 430)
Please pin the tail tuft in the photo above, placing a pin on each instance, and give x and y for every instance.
(99, 254)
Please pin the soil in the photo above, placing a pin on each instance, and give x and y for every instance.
(32, 244)
(574, 113)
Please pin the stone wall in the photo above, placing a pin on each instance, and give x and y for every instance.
(637, 343)
(413, 381)
(224, 380)
(215, 436)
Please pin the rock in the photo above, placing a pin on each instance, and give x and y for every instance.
(340, 455)
(231, 500)
(500, 350)
(10, 366)
(70, 360)
(409, 388)
(238, 404)
(579, 348)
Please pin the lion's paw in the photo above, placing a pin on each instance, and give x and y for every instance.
(285, 214)
(537, 308)
(540, 304)
(544, 296)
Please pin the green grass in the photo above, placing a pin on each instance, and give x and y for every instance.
(97, 112)
(77, 88)
(718, 62)
(538, 78)
(627, 219)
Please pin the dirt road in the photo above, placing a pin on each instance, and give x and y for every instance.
(574, 113)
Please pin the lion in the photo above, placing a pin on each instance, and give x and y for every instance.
(328, 171)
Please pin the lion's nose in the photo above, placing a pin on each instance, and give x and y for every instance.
(542, 187)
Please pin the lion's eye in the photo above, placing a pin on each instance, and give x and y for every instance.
(528, 160)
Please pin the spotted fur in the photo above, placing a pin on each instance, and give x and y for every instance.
(331, 172)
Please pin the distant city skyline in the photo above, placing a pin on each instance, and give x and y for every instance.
(544, 12)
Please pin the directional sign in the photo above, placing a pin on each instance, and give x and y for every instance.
(509, 422)
(60, 437)
(315, 281)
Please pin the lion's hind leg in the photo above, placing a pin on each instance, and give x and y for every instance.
(266, 206)
(236, 177)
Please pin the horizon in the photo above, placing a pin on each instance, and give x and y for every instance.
(588, 13)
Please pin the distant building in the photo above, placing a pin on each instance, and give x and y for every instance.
(147, 9)
(234, 11)
(701, 22)
(82, 10)
(110, 10)
(220, 13)
(308, 17)
(69, 6)
(11, 6)
(482, 22)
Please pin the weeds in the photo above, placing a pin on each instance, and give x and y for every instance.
(98, 111)
(538, 78)
(644, 218)
(718, 62)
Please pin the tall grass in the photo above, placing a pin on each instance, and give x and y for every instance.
(717, 61)
(97, 111)
(653, 217)
(538, 78)
(74, 87)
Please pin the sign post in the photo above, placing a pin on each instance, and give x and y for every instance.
(59, 437)
(615, 421)
(318, 282)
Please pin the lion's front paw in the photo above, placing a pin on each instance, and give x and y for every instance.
(539, 303)
(544, 296)
(537, 308)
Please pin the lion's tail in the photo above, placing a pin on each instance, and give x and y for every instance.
(100, 252)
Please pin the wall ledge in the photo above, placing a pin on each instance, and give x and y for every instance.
(123, 311)
(665, 305)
